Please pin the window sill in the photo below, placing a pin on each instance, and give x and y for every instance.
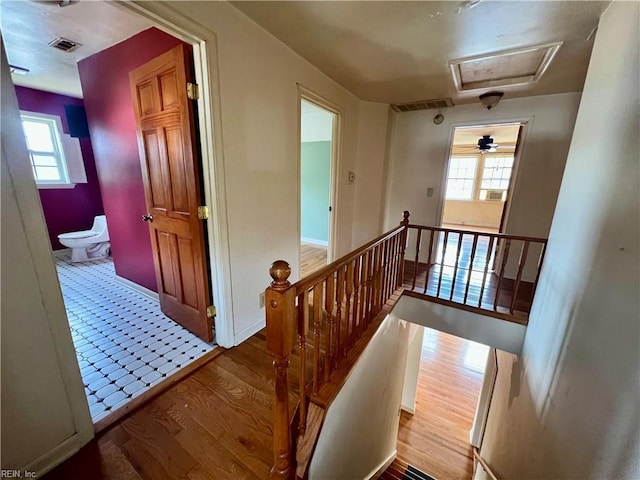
(53, 186)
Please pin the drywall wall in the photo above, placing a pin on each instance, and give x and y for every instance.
(315, 191)
(370, 170)
(483, 329)
(476, 213)
(360, 429)
(45, 417)
(65, 209)
(412, 369)
(568, 408)
(107, 98)
(317, 123)
(419, 155)
(258, 83)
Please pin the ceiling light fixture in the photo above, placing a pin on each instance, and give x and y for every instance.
(466, 5)
(18, 70)
(491, 99)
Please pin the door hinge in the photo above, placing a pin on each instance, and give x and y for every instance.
(203, 212)
(193, 91)
(211, 311)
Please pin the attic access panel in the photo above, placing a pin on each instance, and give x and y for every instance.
(503, 69)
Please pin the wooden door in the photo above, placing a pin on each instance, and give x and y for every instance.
(171, 174)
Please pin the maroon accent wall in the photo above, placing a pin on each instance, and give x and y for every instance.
(107, 99)
(65, 209)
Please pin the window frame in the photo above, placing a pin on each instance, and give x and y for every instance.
(55, 124)
(479, 176)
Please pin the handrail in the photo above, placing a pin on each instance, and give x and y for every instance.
(476, 276)
(328, 314)
(485, 466)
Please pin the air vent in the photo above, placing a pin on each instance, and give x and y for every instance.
(422, 105)
(64, 44)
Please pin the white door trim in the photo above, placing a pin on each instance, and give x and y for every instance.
(205, 57)
(336, 153)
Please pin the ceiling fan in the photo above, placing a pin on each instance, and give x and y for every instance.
(486, 145)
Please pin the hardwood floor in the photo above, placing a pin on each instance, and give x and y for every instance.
(449, 281)
(436, 438)
(217, 422)
(312, 258)
(214, 424)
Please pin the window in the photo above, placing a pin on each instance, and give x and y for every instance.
(42, 133)
(496, 174)
(461, 178)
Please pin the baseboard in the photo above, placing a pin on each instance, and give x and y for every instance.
(61, 253)
(248, 332)
(313, 241)
(138, 288)
(55, 456)
(408, 409)
(379, 470)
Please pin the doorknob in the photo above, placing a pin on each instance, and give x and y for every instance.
(147, 218)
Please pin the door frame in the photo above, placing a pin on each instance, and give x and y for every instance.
(525, 122)
(336, 149)
(209, 141)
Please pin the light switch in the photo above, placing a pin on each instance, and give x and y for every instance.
(430, 192)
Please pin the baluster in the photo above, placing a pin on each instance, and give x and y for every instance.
(395, 280)
(328, 306)
(521, 262)
(348, 316)
(426, 278)
(444, 251)
(473, 256)
(403, 245)
(505, 257)
(368, 286)
(364, 289)
(281, 338)
(415, 262)
(486, 268)
(317, 312)
(385, 275)
(356, 298)
(303, 326)
(339, 299)
(455, 268)
(376, 279)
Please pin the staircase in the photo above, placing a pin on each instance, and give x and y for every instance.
(401, 470)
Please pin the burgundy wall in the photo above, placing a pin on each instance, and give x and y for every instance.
(65, 209)
(107, 98)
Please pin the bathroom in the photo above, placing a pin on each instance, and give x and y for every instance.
(94, 201)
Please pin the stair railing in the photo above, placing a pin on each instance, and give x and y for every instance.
(321, 318)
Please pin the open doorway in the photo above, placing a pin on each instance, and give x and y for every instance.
(480, 176)
(125, 343)
(318, 127)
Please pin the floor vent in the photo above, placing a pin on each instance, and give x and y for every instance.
(64, 44)
(423, 105)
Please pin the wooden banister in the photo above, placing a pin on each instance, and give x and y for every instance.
(325, 319)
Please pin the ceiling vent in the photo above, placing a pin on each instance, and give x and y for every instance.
(64, 44)
(422, 105)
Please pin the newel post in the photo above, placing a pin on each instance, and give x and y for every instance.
(281, 336)
(403, 243)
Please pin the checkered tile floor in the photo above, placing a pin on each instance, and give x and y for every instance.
(124, 344)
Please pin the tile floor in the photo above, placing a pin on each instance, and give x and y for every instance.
(125, 345)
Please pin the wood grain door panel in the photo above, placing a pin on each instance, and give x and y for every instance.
(171, 174)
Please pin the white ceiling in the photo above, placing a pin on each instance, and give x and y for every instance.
(399, 51)
(501, 134)
(28, 27)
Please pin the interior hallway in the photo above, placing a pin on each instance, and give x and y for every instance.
(436, 438)
(312, 258)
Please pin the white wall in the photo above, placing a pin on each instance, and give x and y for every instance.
(316, 125)
(419, 155)
(483, 329)
(568, 408)
(370, 172)
(360, 430)
(258, 77)
(45, 417)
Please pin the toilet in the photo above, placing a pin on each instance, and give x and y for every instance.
(88, 244)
